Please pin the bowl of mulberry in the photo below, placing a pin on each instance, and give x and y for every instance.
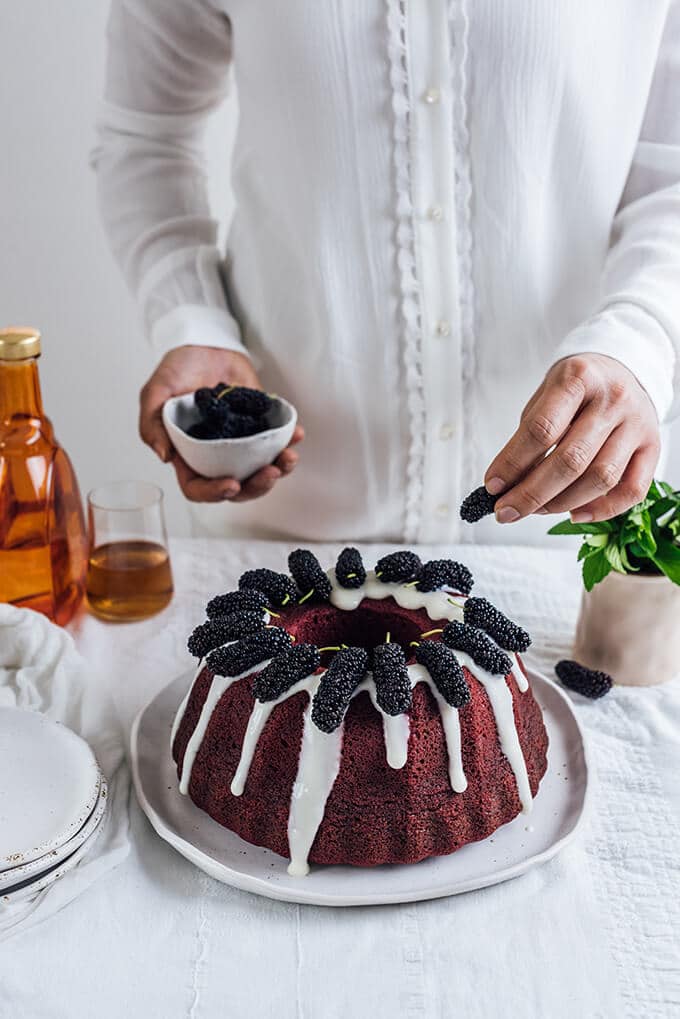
(228, 457)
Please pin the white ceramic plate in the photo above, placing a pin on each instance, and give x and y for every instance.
(228, 458)
(30, 871)
(28, 889)
(528, 840)
(50, 784)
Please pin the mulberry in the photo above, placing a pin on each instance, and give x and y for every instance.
(308, 575)
(446, 672)
(478, 646)
(285, 671)
(235, 601)
(278, 587)
(249, 652)
(481, 613)
(587, 682)
(444, 573)
(337, 685)
(252, 402)
(477, 504)
(397, 567)
(218, 631)
(392, 682)
(349, 569)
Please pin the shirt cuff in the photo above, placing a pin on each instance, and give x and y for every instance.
(196, 325)
(632, 336)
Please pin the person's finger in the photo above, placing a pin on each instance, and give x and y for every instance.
(631, 489)
(200, 489)
(544, 422)
(603, 474)
(259, 484)
(298, 435)
(567, 462)
(287, 460)
(151, 428)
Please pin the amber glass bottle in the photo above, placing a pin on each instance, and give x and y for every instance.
(43, 542)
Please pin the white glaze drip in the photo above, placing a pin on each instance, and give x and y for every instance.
(520, 678)
(256, 723)
(451, 726)
(218, 686)
(317, 771)
(500, 698)
(396, 728)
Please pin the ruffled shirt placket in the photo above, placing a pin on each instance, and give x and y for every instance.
(433, 65)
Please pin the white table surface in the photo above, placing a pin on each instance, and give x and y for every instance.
(593, 933)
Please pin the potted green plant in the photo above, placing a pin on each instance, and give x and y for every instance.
(629, 624)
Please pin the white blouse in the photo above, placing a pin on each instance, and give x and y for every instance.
(435, 200)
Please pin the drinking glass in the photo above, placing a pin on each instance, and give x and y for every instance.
(129, 575)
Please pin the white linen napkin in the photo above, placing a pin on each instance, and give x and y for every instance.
(41, 669)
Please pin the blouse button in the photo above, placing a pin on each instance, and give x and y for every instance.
(443, 328)
(432, 96)
(435, 213)
(443, 509)
(446, 431)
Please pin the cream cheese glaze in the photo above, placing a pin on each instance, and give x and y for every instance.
(321, 752)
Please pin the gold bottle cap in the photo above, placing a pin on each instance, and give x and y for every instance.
(19, 344)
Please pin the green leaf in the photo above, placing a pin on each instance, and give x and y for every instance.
(596, 527)
(628, 566)
(662, 506)
(614, 558)
(597, 540)
(584, 552)
(667, 559)
(595, 568)
(647, 543)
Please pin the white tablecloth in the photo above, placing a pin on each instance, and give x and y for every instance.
(593, 933)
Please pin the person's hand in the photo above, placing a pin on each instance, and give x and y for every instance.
(605, 432)
(186, 369)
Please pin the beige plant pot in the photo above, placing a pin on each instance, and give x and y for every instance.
(629, 627)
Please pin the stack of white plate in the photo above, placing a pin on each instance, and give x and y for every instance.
(52, 802)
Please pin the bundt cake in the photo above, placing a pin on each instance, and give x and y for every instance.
(359, 718)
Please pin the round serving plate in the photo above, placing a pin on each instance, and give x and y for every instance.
(53, 786)
(30, 887)
(528, 840)
(16, 876)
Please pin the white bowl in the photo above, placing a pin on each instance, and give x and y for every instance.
(228, 458)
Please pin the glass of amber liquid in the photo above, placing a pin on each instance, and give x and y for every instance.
(128, 576)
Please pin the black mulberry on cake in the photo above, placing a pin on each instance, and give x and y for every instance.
(446, 671)
(477, 504)
(392, 682)
(225, 628)
(481, 613)
(235, 601)
(307, 573)
(248, 652)
(278, 587)
(285, 671)
(587, 682)
(480, 648)
(349, 569)
(397, 567)
(337, 685)
(439, 573)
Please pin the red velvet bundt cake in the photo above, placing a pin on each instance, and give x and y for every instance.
(359, 718)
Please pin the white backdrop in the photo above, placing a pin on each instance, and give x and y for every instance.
(55, 270)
